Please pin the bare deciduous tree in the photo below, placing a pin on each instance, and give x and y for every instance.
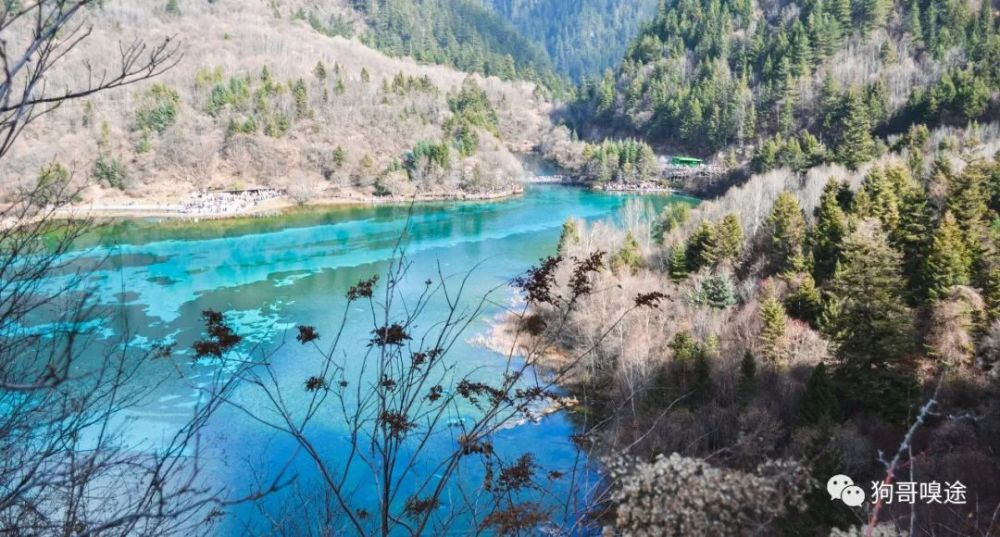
(70, 464)
(37, 37)
(402, 397)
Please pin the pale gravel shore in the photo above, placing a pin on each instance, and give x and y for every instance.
(158, 208)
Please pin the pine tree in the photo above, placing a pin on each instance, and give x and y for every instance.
(912, 236)
(913, 28)
(320, 70)
(866, 317)
(830, 101)
(684, 347)
(991, 290)
(678, 262)
(301, 99)
(772, 332)
(802, 53)
(880, 199)
(630, 254)
(672, 216)
(701, 247)
(819, 402)
(967, 200)
(746, 383)
(715, 291)
(855, 144)
(949, 262)
(875, 13)
(786, 118)
(339, 156)
(787, 226)
(804, 302)
(730, 238)
(607, 96)
(829, 232)
(871, 327)
(570, 236)
(842, 10)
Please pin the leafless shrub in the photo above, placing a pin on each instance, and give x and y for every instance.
(401, 391)
(679, 496)
(953, 325)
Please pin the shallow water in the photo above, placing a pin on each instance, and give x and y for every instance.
(270, 274)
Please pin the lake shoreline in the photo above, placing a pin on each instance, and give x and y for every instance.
(270, 207)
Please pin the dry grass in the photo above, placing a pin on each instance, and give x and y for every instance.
(240, 38)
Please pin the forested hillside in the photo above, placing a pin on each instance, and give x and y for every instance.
(584, 37)
(803, 323)
(265, 96)
(817, 77)
(459, 33)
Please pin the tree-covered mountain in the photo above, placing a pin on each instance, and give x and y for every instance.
(459, 33)
(817, 76)
(583, 37)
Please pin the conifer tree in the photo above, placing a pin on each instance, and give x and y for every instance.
(855, 144)
(320, 70)
(746, 383)
(819, 402)
(804, 302)
(730, 238)
(870, 325)
(830, 101)
(991, 290)
(630, 254)
(678, 262)
(684, 347)
(772, 332)
(879, 199)
(868, 319)
(301, 99)
(842, 10)
(702, 247)
(967, 200)
(702, 382)
(570, 236)
(912, 237)
(670, 217)
(949, 262)
(875, 13)
(913, 28)
(802, 52)
(829, 232)
(787, 226)
(715, 291)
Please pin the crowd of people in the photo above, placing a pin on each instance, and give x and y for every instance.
(227, 202)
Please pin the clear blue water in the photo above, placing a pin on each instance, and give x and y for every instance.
(270, 274)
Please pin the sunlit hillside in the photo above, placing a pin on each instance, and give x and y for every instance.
(262, 98)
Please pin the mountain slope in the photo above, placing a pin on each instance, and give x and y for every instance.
(261, 99)
(583, 37)
(710, 74)
(459, 33)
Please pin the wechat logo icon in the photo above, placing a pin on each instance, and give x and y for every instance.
(842, 487)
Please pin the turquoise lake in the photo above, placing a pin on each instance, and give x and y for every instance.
(272, 273)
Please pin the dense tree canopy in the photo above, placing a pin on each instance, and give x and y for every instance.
(706, 74)
(583, 37)
(460, 33)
